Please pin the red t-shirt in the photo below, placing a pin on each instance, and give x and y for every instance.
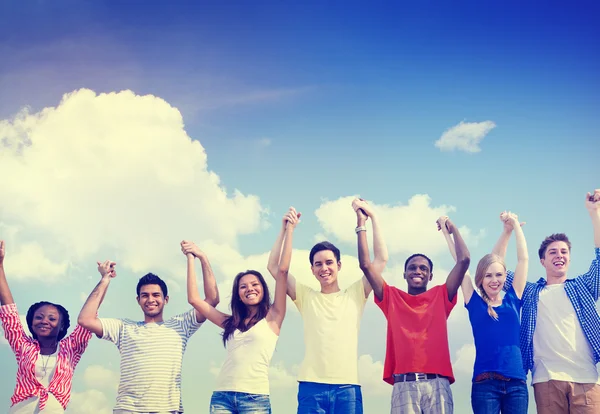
(417, 334)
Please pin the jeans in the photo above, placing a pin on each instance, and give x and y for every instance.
(317, 398)
(231, 402)
(493, 396)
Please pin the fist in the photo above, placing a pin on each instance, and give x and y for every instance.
(107, 269)
(188, 247)
(362, 208)
(442, 224)
(291, 218)
(592, 201)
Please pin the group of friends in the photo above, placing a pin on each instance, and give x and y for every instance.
(550, 327)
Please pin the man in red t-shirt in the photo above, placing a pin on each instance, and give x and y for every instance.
(417, 359)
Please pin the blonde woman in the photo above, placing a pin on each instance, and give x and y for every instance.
(498, 376)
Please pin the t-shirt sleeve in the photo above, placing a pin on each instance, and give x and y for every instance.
(447, 302)
(112, 329)
(357, 290)
(189, 322)
(474, 302)
(302, 292)
(385, 301)
(512, 297)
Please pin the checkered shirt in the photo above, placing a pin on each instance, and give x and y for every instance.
(583, 292)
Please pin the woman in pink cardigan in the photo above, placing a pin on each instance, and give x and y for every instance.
(47, 359)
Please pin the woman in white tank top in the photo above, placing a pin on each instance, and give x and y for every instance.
(250, 333)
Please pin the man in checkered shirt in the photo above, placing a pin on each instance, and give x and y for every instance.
(560, 325)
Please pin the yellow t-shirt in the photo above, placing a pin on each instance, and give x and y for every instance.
(331, 325)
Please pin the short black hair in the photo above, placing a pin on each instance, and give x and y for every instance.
(324, 245)
(65, 322)
(152, 279)
(419, 255)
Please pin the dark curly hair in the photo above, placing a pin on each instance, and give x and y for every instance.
(65, 322)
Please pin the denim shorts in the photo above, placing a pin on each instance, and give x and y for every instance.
(232, 402)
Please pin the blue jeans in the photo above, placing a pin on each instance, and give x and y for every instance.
(317, 398)
(493, 396)
(231, 402)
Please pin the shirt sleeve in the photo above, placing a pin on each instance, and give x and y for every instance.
(301, 292)
(79, 339)
(190, 322)
(510, 278)
(357, 290)
(449, 303)
(13, 328)
(385, 301)
(591, 279)
(112, 330)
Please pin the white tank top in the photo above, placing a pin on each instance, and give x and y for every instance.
(246, 368)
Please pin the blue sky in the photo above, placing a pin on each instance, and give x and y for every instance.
(293, 104)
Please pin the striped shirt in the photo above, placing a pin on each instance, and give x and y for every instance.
(151, 359)
(583, 292)
(27, 350)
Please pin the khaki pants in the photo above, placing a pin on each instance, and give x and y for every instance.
(563, 397)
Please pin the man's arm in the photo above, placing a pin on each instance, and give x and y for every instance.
(275, 255)
(467, 285)
(372, 270)
(88, 317)
(5, 294)
(463, 259)
(592, 203)
(277, 311)
(211, 292)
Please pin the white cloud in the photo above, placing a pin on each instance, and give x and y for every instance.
(406, 228)
(465, 358)
(279, 377)
(29, 262)
(264, 142)
(98, 377)
(465, 136)
(89, 402)
(371, 377)
(116, 172)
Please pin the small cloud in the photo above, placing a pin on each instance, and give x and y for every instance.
(465, 136)
(264, 142)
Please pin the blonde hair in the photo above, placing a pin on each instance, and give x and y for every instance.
(482, 267)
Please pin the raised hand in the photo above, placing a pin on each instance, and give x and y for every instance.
(2, 250)
(509, 224)
(592, 201)
(362, 208)
(291, 218)
(442, 224)
(107, 269)
(188, 247)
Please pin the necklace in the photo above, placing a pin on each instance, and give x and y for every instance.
(45, 364)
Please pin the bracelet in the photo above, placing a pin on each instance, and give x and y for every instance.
(359, 229)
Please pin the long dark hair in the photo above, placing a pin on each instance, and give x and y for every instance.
(239, 310)
(64, 319)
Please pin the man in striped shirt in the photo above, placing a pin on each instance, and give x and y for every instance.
(145, 387)
(560, 325)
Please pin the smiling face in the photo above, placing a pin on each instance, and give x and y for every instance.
(325, 268)
(556, 259)
(250, 289)
(151, 300)
(46, 322)
(417, 273)
(493, 279)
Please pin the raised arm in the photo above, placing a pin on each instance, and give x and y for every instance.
(373, 271)
(5, 294)
(520, 276)
(211, 292)
(467, 285)
(277, 311)
(275, 255)
(592, 203)
(88, 317)
(463, 259)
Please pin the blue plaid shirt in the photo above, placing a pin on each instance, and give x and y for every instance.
(583, 292)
